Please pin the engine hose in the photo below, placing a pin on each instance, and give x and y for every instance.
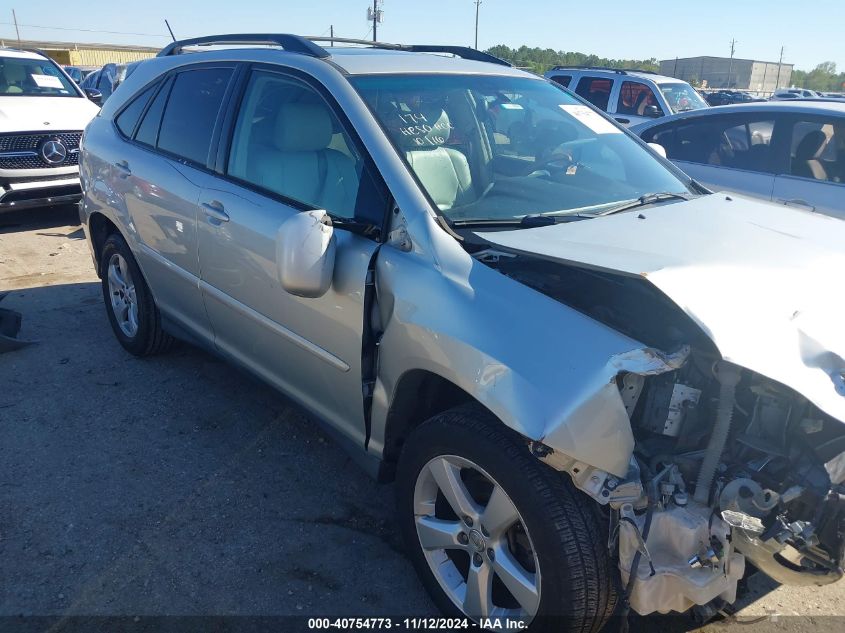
(728, 376)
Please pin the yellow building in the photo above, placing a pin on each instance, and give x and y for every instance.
(69, 54)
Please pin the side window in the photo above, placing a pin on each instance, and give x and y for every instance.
(288, 141)
(634, 98)
(818, 150)
(730, 143)
(128, 118)
(596, 90)
(148, 130)
(563, 80)
(662, 135)
(191, 112)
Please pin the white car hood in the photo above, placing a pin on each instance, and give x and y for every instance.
(36, 114)
(763, 281)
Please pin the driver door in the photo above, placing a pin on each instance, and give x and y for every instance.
(289, 152)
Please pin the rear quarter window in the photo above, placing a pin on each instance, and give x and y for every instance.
(191, 112)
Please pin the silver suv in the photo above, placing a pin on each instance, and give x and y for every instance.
(629, 96)
(593, 383)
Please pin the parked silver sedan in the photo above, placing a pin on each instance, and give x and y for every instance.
(593, 382)
(792, 153)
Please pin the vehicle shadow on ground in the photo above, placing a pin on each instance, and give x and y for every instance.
(175, 485)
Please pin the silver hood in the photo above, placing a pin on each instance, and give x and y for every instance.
(764, 282)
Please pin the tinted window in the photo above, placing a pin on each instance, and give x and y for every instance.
(596, 90)
(723, 142)
(191, 111)
(563, 80)
(128, 119)
(148, 130)
(634, 98)
(818, 150)
(288, 141)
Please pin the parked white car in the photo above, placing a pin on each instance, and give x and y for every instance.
(791, 153)
(629, 96)
(42, 116)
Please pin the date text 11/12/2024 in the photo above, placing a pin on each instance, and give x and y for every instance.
(417, 624)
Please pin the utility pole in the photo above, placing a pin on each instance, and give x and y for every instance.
(477, 7)
(375, 15)
(780, 61)
(731, 67)
(15, 20)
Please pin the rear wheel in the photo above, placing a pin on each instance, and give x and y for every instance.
(494, 533)
(133, 314)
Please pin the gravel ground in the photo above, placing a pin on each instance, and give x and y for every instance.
(180, 486)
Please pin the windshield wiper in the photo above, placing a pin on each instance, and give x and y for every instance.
(649, 198)
(527, 221)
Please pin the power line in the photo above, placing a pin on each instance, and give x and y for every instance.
(64, 28)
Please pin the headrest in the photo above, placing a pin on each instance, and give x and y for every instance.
(811, 146)
(303, 127)
(426, 129)
(14, 73)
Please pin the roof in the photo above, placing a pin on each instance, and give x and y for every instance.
(799, 106)
(72, 46)
(13, 52)
(639, 74)
(360, 61)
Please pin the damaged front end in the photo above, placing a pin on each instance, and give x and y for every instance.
(729, 467)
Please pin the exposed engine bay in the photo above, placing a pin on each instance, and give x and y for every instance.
(730, 469)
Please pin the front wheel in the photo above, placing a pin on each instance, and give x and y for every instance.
(494, 533)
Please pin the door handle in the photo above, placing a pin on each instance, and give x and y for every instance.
(796, 202)
(623, 121)
(215, 212)
(123, 168)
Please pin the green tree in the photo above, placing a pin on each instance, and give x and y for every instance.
(539, 60)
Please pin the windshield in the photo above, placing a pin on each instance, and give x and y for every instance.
(501, 148)
(33, 78)
(682, 97)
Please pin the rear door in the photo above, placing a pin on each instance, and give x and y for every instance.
(813, 177)
(160, 172)
(291, 150)
(723, 152)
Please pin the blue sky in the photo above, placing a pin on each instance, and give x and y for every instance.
(811, 31)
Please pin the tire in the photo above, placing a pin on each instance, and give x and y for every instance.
(575, 589)
(133, 314)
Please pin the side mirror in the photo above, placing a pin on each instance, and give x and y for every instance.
(94, 95)
(652, 111)
(657, 147)
(305, 252)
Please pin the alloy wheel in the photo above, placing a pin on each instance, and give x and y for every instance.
(124, 303)
(475, 541)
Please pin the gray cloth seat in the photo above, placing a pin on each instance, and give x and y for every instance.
(298, 163)
(443, 171)
(807, 162)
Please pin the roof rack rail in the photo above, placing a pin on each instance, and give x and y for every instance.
(465, 52)
(292, 43)
(620, 71)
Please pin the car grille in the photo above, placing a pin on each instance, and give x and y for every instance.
(21, 151)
